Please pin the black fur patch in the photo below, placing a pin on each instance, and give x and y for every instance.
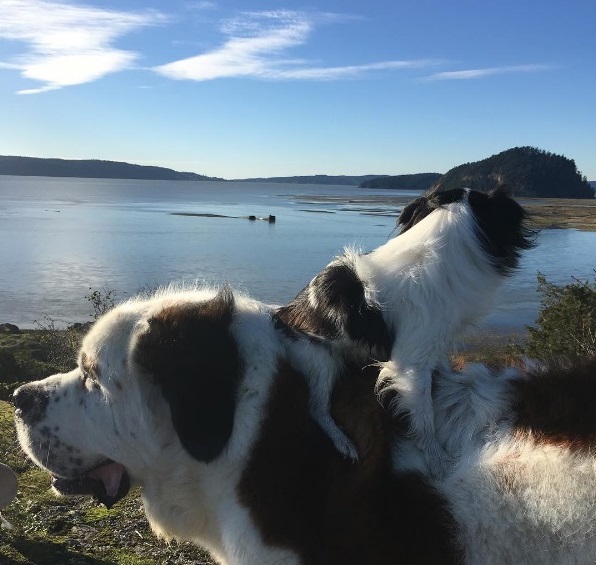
(190, 353)
(500, 221)
(418, 209)
(341, 310)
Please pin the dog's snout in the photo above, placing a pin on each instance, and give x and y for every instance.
(30, 403)
(23, 398)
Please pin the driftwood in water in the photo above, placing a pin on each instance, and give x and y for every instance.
(270, 219)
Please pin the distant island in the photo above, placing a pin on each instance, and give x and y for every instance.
(89, 168)
(528, 171)
(94, 168)
(419, 181)
(317, 179)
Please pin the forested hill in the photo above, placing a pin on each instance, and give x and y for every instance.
(528, 171)
(316, 179)
(419, 181)
(36, 167)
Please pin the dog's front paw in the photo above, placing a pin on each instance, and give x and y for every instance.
(345, 446)
(340, 440)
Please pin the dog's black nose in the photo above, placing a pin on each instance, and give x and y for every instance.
(30, 403)
(23, 398)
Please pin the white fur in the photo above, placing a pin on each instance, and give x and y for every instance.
(433, 283)
(515, 500)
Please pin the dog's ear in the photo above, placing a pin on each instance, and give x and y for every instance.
(415, 212)
(190, 354)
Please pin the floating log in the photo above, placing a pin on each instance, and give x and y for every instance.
(270, 219)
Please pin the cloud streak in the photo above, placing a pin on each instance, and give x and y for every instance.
(486, 72)
(68, 44)
(255, 45)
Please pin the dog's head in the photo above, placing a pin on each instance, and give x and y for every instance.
(156, 382)
(500, 222)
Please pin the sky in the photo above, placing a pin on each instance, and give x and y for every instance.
(260, 88)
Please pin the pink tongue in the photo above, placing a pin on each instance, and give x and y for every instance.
(111, 476)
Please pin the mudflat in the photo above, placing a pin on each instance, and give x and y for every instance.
(545, 213)
(561, 213)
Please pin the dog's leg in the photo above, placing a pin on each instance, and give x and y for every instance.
(321, 371)
(320, 410)
(414, 399)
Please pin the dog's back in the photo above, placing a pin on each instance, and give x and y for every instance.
(303, 495)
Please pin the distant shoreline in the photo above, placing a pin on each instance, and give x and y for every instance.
(545, 213)
(506, 163)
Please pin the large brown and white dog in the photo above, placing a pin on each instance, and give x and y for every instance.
(190, 395)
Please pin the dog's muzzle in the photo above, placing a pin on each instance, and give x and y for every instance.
(30, 403)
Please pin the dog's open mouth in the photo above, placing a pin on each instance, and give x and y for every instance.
(107, 483)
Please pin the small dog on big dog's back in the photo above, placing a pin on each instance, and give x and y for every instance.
(405, 303)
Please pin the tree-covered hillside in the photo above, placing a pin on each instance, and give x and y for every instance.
(36, 167)
(419, 181)
(348, 180)
(528, 171)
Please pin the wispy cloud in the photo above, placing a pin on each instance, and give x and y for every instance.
(255, 45)
(486, 72)
(68, 44)
(333, 73)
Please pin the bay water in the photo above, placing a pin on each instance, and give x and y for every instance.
(62, 238)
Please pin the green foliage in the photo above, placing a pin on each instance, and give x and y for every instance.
(57, 349)
(566, 323)
(528, 171)
(101, 300)
(35, 354)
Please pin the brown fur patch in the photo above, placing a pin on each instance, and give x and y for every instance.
(304, 496)
(557, 404)
(190, 354)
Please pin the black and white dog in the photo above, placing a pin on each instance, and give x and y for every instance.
(405, 303)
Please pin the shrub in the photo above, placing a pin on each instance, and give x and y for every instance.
(566, 323)
(57, 348)
(101, 300)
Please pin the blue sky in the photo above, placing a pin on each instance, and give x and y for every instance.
(238, 89)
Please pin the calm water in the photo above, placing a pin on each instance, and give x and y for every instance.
(61, 237)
